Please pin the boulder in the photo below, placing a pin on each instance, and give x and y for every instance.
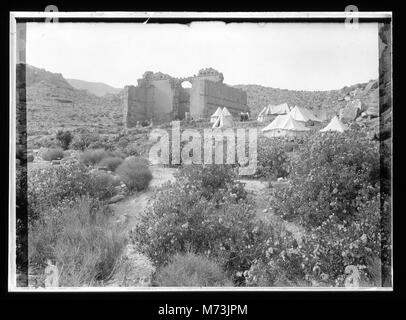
(116, 198)
(352, 110)
(373, 110)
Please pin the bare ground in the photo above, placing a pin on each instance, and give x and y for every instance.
(127, 212)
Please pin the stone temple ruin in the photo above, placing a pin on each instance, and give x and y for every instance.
(160, 97)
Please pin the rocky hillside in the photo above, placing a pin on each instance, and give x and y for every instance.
(330, 101)
(97, 88)
(52, 102)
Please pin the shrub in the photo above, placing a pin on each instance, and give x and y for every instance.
(52, 154)
(272, 161)
(64, 138)
(329, 173)
(79, 237)
(50, 186)
(102, 185)
(93, 156)
(45, 142)
(191, 270)
(135, 174)
(83, 140)
(184, 216)
(213, 180)
(111, 163)
(334, 193)
(30, 158)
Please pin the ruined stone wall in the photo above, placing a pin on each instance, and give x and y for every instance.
(209, 95)
(137, 104)
(162, 98)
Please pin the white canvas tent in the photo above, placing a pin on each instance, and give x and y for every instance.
(271, 110)
(215, 115)
(225, 120)
(303, 115)
(285, 126)
(280, 109)
(265, 114)
(335, 125)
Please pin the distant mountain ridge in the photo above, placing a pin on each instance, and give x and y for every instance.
(53, 102)
(97, 88)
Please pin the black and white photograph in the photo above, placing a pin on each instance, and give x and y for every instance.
(200, 151)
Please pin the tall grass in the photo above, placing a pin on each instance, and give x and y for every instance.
(191, 270)
(79, 237)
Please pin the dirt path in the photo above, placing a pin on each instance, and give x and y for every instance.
(127, 212)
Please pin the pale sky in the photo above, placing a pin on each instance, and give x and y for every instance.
(298, 56)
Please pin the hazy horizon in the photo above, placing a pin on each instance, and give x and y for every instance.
(299, 56)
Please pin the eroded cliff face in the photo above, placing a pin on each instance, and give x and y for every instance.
(160, 97)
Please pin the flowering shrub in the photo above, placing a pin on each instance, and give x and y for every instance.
(330, 172)
(135, 173)
(192, 215)
(52, 154)
(272, 160)
(191, 270)
(212, 180)
(337, 243)
(324, 254)
(334, 193)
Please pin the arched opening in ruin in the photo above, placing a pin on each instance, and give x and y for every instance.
(186, 84)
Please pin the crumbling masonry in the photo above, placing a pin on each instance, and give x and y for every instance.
(160, 97)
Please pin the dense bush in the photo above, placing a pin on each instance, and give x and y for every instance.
(102, 185)
(190, 215)
(79, 237)
(48, 187)
(272, 159)
(214, 181)
(191, 270)
(134, 172)
(64, 138)
(334, 194)
(329, 173)
(93, 156)
(83, 140)
(52, 154)
(44, 142)
(111, 163)
(324, 254)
